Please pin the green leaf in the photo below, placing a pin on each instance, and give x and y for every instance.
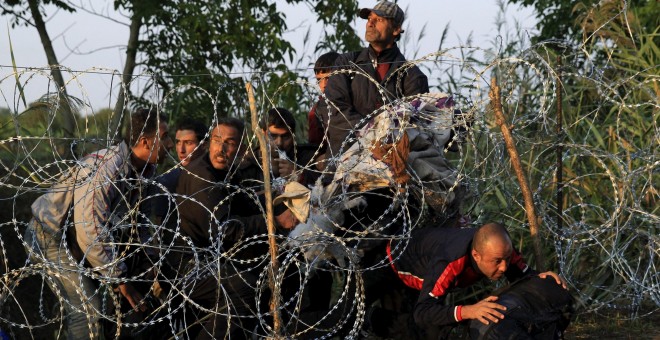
(13, 64)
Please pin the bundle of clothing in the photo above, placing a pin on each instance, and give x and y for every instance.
(400, 147)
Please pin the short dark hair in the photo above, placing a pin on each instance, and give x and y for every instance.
(195, 125)
(326, 62)
(236, 123)
(144, 122)
(280, 118)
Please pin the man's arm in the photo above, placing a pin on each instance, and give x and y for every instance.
(486, 311)
(430, 309)
(518, 268)
(432, 312)
(337, 111)
(237, 225)
(214, 212)
(93, 201)
(415, 82)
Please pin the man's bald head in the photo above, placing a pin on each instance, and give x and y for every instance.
(490, 233)
(492, 249)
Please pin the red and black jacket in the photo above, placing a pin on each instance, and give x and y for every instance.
(437, 261)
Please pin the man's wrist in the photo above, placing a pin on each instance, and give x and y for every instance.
(458, 313)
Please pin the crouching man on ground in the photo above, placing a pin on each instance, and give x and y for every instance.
(437, 261)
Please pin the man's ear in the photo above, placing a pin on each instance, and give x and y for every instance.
(397, 32)
(475, 255)
(144, 143)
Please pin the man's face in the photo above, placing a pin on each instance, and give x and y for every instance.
(281, 137)
(186, 146)
(223, 147)
(322, 78)
(381, 31)
(493, 259)
(158, 146)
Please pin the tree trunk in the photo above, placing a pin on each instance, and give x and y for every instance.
(496, 103)
(68, 119)
(127, 75)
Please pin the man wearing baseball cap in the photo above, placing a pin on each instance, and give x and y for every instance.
(377, 77)
(354, 96)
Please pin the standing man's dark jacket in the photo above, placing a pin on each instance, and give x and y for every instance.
(437, 261)
(352, 97)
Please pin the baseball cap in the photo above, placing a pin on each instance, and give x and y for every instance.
(385, 9)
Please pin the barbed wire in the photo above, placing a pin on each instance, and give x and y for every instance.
(603, 239)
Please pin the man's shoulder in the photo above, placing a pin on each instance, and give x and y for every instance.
(400, 59)
(170, 178)
(354, 56)
(111, 160)
(199, 168)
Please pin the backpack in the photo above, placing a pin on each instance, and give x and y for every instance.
(536, 309)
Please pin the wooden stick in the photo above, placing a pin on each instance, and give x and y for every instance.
(272, 243)
(559, 150)
(496, 103)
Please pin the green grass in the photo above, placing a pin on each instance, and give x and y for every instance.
(614, 324)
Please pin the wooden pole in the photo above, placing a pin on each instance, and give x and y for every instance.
(496, 103)
(559, 149)
(272, 243)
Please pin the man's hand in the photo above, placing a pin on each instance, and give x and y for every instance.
(284, 167)
(287, 219)
(321, 162)
(558, 279)
(133, 296)
(485, 310)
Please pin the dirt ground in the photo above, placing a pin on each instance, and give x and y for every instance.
(612, 324)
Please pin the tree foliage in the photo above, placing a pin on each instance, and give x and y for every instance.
(19, 10)
(557, 18)
(201, 52)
